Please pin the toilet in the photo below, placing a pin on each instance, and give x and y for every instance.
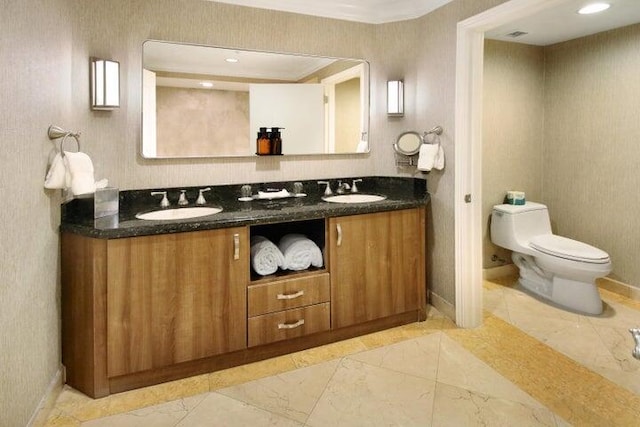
(554, 267)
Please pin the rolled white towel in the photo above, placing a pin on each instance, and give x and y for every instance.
(299, 252)
(265, 256)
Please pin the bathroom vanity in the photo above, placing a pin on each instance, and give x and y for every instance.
(151, 301)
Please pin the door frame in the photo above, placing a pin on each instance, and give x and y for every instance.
(468, 159)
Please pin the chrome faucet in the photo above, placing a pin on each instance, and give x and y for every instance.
(164, 203)
(354, 189)
(635, 333)
(327, 190)
(201, 200)
(182, 201)
(343, 187)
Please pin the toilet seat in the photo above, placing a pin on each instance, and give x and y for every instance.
(563, 247)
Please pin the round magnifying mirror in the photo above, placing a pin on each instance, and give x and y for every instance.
(408, 143)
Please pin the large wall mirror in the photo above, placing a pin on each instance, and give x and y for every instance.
(203, 101)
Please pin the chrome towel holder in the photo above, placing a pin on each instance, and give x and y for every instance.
(56, 132)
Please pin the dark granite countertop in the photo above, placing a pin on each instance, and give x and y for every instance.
(77, 215)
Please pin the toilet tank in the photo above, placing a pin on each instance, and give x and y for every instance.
(512, 226)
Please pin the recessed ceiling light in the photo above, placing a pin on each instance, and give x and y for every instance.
(232, 60)
(206, 84)
(593, 8)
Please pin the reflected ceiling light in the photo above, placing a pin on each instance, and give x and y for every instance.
(206, 84)
(232, 60)
(593, 8)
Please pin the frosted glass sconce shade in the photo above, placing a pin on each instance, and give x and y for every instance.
(105, 84)
(395, 98)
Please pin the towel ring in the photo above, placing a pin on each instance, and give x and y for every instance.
(75, 136)
(55, 132)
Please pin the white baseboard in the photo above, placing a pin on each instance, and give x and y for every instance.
(443, 306)
(48, 401)
(501, 271)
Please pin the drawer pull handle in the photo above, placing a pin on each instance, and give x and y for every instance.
(291, 325)
(290, 296)
(236, 246)
(339, 230)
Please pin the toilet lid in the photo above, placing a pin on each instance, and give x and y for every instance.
(569, 249)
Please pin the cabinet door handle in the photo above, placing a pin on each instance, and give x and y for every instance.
(236, 246)
(290, 296)
(291, 325)
(339, 230)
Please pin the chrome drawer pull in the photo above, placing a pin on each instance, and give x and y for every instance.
(339, 230)
(290, 296)
(236, 246)
(291, 325)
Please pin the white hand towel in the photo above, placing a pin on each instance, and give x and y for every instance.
(427, 156)
(265, 256)
(273, 194)
(299, 252)
(80, 168)
(57, 176)
(439, 161)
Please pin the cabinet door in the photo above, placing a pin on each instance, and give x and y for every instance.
(175, 297)
(377, 265)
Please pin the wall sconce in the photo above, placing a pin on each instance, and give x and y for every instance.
(395, 98)
(105, 84)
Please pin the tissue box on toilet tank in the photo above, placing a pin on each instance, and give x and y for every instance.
(515, 198)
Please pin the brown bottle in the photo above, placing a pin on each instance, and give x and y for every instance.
(276, 141)
(263, 143)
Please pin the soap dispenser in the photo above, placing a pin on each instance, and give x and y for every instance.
(263, 143)
(276, 141)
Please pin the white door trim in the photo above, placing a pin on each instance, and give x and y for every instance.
(468, 158)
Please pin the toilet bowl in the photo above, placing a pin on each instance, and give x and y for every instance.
(556, 268)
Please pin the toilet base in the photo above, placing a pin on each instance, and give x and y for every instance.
(576, 296)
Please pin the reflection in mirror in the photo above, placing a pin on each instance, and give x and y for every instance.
(203, 101)
(408, 143)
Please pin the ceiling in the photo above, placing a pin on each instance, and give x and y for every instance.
(558, 24)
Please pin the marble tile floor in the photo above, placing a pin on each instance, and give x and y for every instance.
(529, 364)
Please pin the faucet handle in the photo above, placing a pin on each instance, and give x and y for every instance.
(327, 190)
(354, 189)
(201, 200)
(182, 201)
(164, 203)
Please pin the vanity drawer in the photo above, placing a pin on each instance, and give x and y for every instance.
(287, 324)
(288, 293)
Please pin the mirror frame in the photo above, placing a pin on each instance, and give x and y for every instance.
(365, 114)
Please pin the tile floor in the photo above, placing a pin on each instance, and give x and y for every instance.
(529, 364)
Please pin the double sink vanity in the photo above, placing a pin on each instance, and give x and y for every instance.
(151, 300)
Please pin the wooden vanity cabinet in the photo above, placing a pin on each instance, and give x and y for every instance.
(147, 309)
(175, 297)
(136, 304)
(377, 265)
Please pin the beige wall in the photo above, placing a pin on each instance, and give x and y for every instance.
(588, 145)
(48, 45)
(592, 151)
(512, 137)
(36, 87)
(197, 122)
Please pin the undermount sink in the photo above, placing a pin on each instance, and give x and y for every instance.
(354, 198)
(178, 213)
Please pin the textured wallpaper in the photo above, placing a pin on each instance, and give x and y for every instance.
(48, 45)
(513, 126)
(591, 153)
(564, 127)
